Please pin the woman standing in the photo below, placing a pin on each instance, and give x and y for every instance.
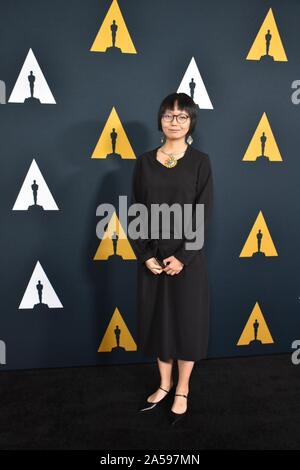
(173, 294)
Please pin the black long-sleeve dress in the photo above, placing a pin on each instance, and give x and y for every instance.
(172, 311)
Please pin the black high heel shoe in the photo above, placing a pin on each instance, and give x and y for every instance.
(148, 406)
(175, 417)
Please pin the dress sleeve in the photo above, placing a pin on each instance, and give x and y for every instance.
(204, 195)
(141, 247)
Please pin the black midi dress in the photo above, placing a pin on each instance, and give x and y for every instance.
(172, 310)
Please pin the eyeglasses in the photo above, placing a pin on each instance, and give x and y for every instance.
(180, 118)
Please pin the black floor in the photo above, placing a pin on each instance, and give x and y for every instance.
(241, 403)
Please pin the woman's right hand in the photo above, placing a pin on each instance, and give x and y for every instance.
(153, 265)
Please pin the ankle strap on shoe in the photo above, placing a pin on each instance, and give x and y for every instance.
(180, 395)
(164, 389)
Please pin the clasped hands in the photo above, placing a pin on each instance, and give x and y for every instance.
(173, 265)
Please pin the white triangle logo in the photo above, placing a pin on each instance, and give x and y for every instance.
(39, 294)
(34, 194)
(31, 85)
(193, 85)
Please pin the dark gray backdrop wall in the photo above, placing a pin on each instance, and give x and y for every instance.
(61, 138)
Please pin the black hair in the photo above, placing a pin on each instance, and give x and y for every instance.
(184, 102)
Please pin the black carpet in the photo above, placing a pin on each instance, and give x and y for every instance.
(237, 403)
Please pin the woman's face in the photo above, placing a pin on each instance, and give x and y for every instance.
(175, 130)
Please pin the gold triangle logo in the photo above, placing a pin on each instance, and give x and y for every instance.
(114, 242)
(117, 336)
(259, 242)
(267, 46)
(113, 35)
(263, 145)
(256, 330)
(113, 141)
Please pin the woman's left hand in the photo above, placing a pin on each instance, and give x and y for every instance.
(174, 266)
